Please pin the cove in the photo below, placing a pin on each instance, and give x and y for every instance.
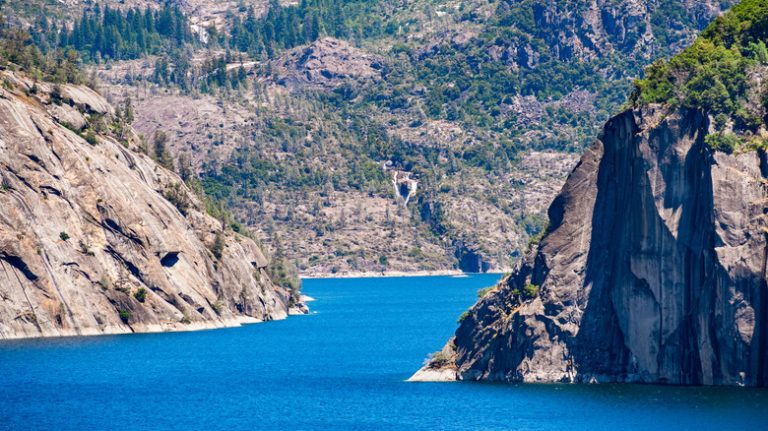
(342, 367)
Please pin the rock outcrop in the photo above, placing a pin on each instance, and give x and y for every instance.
(327, 63)
(98, 238)
(637, 29)
(653, 269)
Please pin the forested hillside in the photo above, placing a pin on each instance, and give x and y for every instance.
(301, 114)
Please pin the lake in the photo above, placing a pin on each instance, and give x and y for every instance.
(342, 367)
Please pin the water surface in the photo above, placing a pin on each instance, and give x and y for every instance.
(342, 367)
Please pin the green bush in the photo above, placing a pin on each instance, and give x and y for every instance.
(534, 240)
(726, 142)
(176, 195)
(64, 236)
(756, 143)
(462, 317)
(482, 292)
(85, 249)
(712, 73)
(439, 360)
(530, 291)
(656, 87)
(140, 294)
(90, 138)
(285, 274)
(125, 316)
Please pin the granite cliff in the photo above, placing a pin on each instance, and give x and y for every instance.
(96, 237)
(653, 267)
(653, 270)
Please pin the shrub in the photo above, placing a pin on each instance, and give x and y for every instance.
(726, 142)
(756, 143)
(125, 316)
(56, 96)
(462, 317)
(105, 283)
(482, 292)
(218, 306)
(284, 274)
(140, 294)
(416, 252)
(161, 153)
(721, 120)
(439, 360)
(176, 195)
(530, 291)
(534, 240)
(218, 246)
(85, 249)
(64, 236)
(90, 138)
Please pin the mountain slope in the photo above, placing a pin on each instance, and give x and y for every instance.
(96, 237)
(454, 93)
(288, 110)
(653, 268)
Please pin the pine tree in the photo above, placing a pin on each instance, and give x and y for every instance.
(162, 155)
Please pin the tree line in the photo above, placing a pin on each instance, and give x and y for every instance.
(287, 27)
(117, 34)
(18, 50)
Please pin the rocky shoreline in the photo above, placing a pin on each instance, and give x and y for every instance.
(156, 328)
(391, 274)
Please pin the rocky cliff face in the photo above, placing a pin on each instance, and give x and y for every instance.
(590, 29)
(594, 28)
(97, 238)
(653, 270)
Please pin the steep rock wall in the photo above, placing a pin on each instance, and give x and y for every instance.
(653, 269)
(90, 241)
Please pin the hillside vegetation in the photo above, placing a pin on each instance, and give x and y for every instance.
(288, 112)
(720, 74)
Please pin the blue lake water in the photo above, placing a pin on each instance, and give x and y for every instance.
(342, 367)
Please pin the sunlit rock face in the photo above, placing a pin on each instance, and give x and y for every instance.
(98, 238)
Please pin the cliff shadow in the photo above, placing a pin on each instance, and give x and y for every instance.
(636, 265)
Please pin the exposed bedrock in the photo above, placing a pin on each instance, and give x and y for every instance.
(653, 269)
(98, 238)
